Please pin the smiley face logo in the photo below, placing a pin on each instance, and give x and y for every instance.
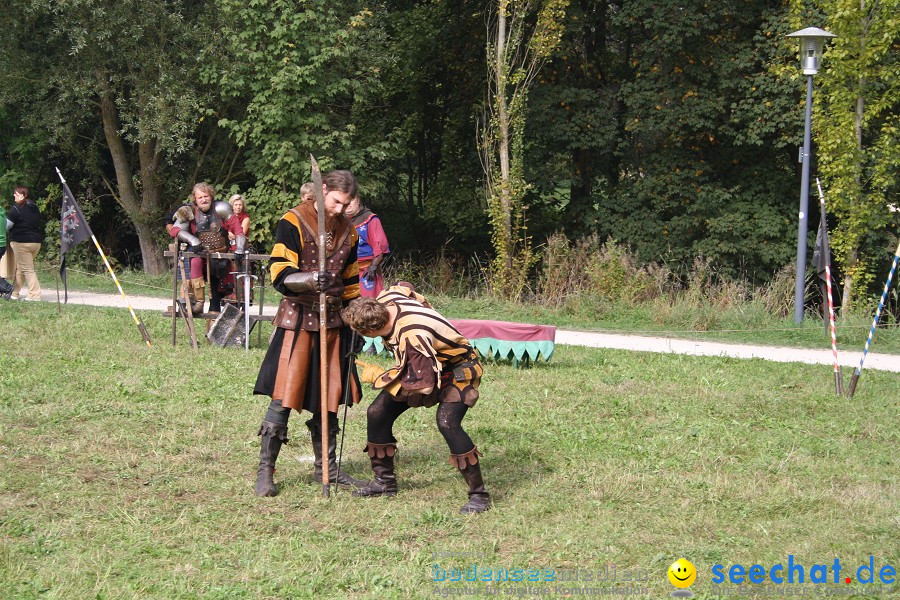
(682, 573)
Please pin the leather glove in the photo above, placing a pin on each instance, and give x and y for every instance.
(332, 285)
(370, 275)
(369, 372)
(314, 281)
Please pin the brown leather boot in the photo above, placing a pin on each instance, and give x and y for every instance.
(273, 436)
(479, 499)
(315, 432)
(198, 285)
(385, 482)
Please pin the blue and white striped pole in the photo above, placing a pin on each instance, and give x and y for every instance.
(887, 286)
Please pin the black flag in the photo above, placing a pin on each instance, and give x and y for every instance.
(822, 252)
(73, 229)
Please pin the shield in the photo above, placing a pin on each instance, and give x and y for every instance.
(229, 329)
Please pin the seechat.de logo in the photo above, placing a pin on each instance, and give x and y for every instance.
(795, 572)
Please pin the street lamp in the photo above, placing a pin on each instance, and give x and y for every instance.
(812, 39)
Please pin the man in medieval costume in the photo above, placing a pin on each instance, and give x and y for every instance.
(204, 226)
(435, 365)
(290, 372)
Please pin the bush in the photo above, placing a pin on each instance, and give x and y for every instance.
(608, 271)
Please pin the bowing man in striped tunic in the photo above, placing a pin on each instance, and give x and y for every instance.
(435, 365)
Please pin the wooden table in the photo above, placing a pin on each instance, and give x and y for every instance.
(263, 259)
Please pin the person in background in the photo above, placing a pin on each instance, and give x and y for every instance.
(308, 192)
(204, 226)
(25, 234)
(373, 247)
(239, 206)
(6, 287)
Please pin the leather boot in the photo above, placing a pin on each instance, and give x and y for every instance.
(385, 482)
(273, 435)
(315, 432)
(479, 499)
(215, 300)
(197, 285)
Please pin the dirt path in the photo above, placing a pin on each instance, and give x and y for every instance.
(639, 343)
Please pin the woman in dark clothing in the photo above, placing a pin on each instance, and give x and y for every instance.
(25, 237)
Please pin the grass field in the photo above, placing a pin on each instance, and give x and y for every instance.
(126, 472)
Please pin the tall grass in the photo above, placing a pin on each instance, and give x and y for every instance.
(591, 276)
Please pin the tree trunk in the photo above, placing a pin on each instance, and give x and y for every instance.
(147, 223)
(141, 211)
(502, 71)
(847, 299)
(858, 134)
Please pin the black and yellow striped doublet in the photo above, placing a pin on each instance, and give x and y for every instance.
(429, 352)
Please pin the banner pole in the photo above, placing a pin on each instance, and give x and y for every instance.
(66, 243)
(838, 376)
(137, 319)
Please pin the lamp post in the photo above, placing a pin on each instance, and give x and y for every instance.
(812, 39)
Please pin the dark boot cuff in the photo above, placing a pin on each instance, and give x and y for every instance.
(380, 450)
(461, 461)
(274, 430)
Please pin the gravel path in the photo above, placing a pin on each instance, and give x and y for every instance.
(639, 343)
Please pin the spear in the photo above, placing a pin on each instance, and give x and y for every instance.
(838, 380)
(323, 331)
(887, 286)
(347, 396)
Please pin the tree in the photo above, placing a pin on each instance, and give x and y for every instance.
(431, 85)
(857, 132)
(706, 163)
(307, 73)
(127, 67)
(516, 52)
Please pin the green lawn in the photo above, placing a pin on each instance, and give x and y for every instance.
(127, 472)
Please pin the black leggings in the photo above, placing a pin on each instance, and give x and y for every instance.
(384, 410)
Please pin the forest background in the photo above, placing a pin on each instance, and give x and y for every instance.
(670, 127)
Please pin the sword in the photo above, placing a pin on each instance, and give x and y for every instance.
(247, 281)
(323, 331)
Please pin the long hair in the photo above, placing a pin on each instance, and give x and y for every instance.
(343, 181)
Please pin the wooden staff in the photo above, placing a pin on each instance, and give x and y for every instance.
(185, 308)
(323, 329)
